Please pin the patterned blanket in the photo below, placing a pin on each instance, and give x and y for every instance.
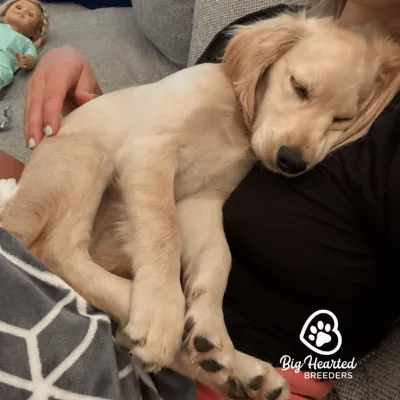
(54, 345)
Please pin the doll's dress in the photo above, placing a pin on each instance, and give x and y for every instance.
(12, 42)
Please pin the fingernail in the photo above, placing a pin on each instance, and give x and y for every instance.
(47, 131)
(31, 144)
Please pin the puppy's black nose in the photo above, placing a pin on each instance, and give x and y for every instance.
(290, 160)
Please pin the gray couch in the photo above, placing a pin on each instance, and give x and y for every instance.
(157, 37)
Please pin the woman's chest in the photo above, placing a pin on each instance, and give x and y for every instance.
(305, 234)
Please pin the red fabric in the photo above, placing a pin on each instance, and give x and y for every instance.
(313, 388)
(205, 393)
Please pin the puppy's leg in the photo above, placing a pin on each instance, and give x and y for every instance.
(53, 211)
(207, 351)
(206, 263)
(146, 180)
(52, 176)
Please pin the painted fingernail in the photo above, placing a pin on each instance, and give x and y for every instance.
(47, 131)
(31, 144)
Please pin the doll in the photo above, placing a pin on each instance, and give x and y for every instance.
(23, 30)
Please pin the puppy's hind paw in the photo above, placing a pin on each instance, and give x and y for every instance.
(245, 378)
(155, 328)
(254, 379)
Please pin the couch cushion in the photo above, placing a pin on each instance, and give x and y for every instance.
(168, 24)
(377, 377)
(112, 42)
(211, 16)
(93, 4)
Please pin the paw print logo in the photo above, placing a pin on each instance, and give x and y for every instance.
(320, 333)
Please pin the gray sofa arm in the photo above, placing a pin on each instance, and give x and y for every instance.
(377, 377)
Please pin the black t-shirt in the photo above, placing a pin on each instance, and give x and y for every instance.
(325, 240)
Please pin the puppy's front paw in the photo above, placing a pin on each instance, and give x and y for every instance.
(156, 323)
(205, 340)
(246, 378)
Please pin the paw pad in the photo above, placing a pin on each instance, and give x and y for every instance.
(211, 365)
(256, 383)
(274, 394)
(236, 390)
(202, 345)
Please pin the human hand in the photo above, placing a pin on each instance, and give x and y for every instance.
(22, 60)
(61, 71)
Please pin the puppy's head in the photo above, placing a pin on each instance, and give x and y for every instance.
(307, 87)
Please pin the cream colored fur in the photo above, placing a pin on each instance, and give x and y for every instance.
(135, 182)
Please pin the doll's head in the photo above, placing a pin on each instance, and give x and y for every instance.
(27, 17)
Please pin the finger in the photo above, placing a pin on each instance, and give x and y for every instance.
(18, 55)
(55, 94)
(34, 112)
(85, 88)
(83, 97)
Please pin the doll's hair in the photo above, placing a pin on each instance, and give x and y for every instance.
(43, 24)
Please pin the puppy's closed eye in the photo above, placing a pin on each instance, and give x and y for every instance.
(300, 89)
(338, 120)
(341, 123)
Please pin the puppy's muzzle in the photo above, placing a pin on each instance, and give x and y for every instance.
(290, 160)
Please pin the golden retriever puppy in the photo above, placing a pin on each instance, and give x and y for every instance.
(129, 194)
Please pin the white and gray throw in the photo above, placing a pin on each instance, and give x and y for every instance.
(54, 345)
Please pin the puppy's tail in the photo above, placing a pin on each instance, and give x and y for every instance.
(60, 172)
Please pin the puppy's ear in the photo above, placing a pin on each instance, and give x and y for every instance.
(253, 49)
(389, 52)
(386, 54)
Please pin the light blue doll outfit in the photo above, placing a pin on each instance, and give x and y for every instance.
(12, 42)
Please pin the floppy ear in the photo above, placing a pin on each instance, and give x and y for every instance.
(253, 49)
(386, 86)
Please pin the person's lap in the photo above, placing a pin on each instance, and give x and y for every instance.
(10, 167)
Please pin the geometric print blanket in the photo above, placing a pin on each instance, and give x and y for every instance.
(55, 346)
